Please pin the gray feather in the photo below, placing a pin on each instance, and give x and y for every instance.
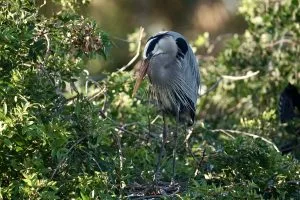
(173, 72)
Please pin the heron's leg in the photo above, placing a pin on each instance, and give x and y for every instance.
(162, 148)
(175, 146)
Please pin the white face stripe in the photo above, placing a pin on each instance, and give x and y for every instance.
(158, 35)
(146, 47)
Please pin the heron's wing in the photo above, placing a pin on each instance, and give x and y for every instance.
(192, 73)
(190, 77)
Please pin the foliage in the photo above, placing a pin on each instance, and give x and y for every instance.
(270, 45)
(60, 139)
(248, 168)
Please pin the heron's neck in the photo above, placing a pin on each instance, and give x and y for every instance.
(162, 70)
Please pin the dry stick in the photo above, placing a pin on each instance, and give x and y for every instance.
(223, 131)
(96, 94)
(191, 152)
(44, 3)
(48, 44)
(236, 78)
(232, 78)
(248, 134)
(200, 163)
(137, 52)
(188, 136)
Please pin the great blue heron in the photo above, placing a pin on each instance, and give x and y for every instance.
(173, 72)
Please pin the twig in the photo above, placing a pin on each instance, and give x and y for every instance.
(48, 44)
(202, 157)
(154, 120)
(248, 134)
(200, 163)
(188, 136)
(281, 42)
(223, 131)
(212, 87)
(42, 65)
(138, 136)
(93, 158)
(217, 40)
(205, 58)
(97, 94)
(65, 158)
(44, 3)
(121, 39)
(190, 150)
(121, 128)
(137, 52)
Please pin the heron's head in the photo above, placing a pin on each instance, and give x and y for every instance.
(160, 45)
(162, 49)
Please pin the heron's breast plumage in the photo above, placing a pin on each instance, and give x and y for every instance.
(173, 73)
(171, 89)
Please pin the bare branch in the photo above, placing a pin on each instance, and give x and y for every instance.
(248, 134)
(237, 78)
(232, 78)
(137, 51)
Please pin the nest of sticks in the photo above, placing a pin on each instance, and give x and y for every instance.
(153, 190)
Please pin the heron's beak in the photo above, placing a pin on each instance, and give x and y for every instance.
(140, 76)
